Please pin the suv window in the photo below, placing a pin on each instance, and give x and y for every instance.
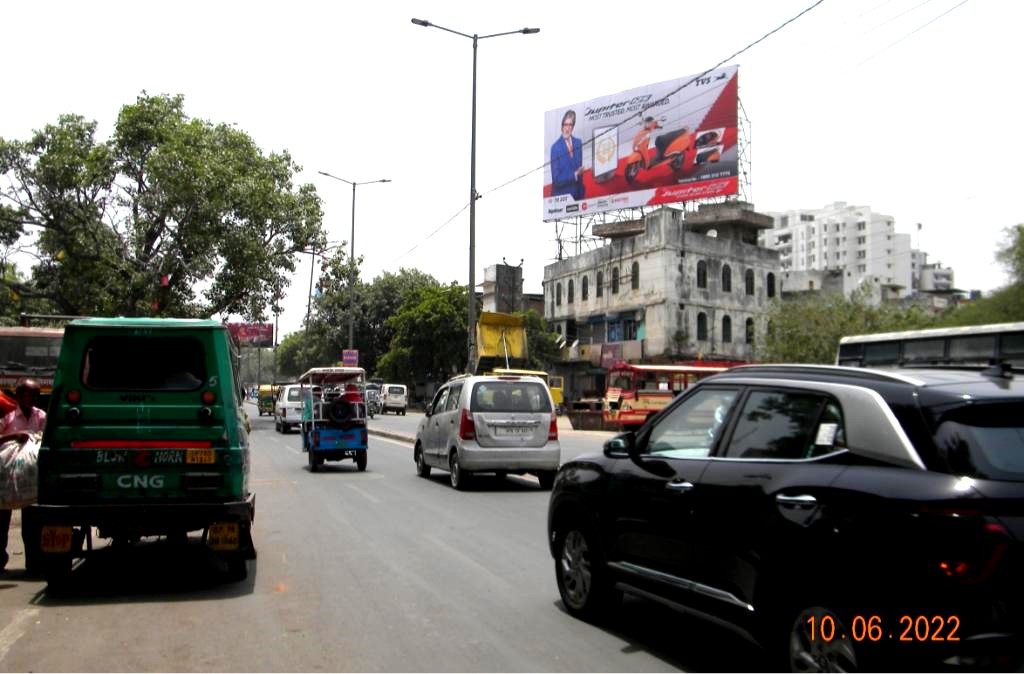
(510, 396)
(783, 425)
(127, 363)
(690, 429)
(985, 442)
(396, 390)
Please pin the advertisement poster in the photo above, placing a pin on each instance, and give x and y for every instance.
(252, 334)
(658, 144)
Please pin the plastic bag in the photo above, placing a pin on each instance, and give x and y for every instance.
(19, 472)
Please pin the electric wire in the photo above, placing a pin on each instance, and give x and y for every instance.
(884, 49)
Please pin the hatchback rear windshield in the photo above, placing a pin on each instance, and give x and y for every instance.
(984, 442)
(510, 396)
(118, 363)
(396, 390)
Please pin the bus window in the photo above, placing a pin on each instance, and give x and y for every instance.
(924, 351)
(883, 353)
(974, 349)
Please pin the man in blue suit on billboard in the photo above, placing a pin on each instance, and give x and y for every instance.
(567, 160)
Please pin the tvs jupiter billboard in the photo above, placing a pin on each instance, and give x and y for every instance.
(662, 143)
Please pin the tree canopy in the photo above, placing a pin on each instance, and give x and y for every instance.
(171, 216)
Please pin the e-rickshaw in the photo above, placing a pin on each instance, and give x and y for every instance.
(265, 399)
(333, 415)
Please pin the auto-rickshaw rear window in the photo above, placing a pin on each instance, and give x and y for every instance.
(132, 363)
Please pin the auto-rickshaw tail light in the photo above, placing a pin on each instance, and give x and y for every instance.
(74, 396)
(467, 429)
(208, 397)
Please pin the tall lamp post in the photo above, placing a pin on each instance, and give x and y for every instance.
(472, 181)
(352, 250)
(309, 298)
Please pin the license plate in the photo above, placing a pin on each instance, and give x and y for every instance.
(222, 536)
(349, 452)
(55, 539)
(200, 456)
(513, 430)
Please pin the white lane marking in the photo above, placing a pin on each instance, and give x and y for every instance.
(368, 496)
(15, 630)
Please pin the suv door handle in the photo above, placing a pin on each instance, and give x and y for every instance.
(679, 485)
(801, 501)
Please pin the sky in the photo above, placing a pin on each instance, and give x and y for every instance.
(906, 106)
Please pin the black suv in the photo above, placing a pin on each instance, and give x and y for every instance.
(833, 515)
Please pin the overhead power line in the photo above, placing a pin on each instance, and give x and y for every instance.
(911, 33)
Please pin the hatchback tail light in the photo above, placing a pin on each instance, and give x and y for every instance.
(553, 428)
(467, 429)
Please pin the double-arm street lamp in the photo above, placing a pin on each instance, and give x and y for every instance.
(472, 180)
(352, 251)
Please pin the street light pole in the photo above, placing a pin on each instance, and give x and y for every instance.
(352, 252)
(471, 331)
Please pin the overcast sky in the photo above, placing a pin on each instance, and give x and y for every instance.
(908, 106)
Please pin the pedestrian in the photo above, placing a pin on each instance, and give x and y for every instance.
(17, 425)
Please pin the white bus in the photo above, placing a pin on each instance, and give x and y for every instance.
(968, 345)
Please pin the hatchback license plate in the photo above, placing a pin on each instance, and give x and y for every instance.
(513, 430)
(222, 536)
(55, 539)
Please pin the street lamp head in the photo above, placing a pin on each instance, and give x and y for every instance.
(421, 22)
(530, 31)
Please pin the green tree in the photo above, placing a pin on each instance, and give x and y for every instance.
(1006, 304)
(430, 336)
(540, 340)
(1011, 253)
(808, 329)
(135, 224)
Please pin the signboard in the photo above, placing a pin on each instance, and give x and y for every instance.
(253, 334)
(663, 143)
(350, 357)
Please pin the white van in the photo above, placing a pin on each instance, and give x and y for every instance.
(394, 397)
(288, 408)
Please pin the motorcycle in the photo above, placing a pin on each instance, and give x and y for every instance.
(372, 403)
(670, 148)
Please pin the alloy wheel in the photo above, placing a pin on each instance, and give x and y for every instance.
(811, 653)
(575, 572)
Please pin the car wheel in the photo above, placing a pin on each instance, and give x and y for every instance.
(237, 569)
(361, 460)
(809, 652)
(580, 573)
(422, 469)
(313, 463)
(277, 425)
(459, 477)
(546, 479)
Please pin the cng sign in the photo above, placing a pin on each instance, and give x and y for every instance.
(140, 481)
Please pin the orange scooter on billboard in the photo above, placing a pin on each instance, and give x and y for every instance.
(650, 151)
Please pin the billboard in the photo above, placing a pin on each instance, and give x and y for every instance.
(350, 357)
(252, 334)
(663, 143)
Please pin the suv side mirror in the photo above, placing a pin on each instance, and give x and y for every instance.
(621, 446)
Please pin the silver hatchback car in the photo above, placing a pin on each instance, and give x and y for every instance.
(489, 424)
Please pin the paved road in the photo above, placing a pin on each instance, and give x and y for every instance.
(374, 571)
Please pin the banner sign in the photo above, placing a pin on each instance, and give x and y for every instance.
(252, 334)
(663, 143)
(350, 357)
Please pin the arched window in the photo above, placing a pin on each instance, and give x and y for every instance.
(702, 274)
(635, 281)
(750, 331)
(726, 329)
(770, 285)
(749, 278)
(726, 278)
(571, 292)
(615, 281)
(558, 294)
(600, 283)
(702, 327)
(584, 289)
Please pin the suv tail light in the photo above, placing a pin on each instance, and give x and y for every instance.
(467, 429)
(553, 428)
